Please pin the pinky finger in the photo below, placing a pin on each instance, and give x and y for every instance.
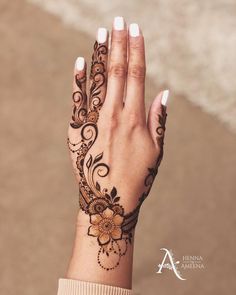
(79, 96)
(157, 119)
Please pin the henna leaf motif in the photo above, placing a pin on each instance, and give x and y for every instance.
(113, 192)
(93, 87)
(75, 125)
(151, 170)
(98, 187)
(117, 199)
(98, 158)
(108, 196)
(89, 162)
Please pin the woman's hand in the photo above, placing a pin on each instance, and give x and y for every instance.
(115, 151)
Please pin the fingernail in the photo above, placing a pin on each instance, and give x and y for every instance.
(119, 23)
(102, 35)
(134, 30)
(79, 64)
(164, 98)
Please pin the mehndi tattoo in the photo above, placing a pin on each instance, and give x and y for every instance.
(112, 227)
(80, 100)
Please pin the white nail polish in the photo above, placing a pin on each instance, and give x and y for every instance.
(79, 64)
(102, 35)
(119, 23)
(164, 98)
(134, 30)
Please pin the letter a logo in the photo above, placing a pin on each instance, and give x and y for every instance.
(171, 265)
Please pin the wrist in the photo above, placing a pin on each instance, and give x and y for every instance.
(116, 256)
(96, 225)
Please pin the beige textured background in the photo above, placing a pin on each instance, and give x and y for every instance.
(191, 209)
(184, 37)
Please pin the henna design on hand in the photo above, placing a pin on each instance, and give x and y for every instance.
(131, 218)
(98, 79)
(80, 99)
(160, 143)
(109, 223)
(97, 76)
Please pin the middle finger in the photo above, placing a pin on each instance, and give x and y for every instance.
(117, 68)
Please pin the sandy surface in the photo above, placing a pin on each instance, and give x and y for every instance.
(190, 210)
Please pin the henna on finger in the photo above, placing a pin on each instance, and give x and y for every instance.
(161, 133)
(131, 219)
(98, 77)
(79, 97)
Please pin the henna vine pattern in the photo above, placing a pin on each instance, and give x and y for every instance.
(80, 99)
(112, 227)
(97, 75)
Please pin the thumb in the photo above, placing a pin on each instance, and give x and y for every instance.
(157, 118)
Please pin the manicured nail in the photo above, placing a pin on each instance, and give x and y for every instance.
(79, 64)
(134, 30)
(164, 98)
(119, 23)
(102, 35)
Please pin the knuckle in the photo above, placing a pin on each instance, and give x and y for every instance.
(108, 128)
(112, 119)
(117, 70)
(133, 121)
(113, 125)
(137, 71)
(118, 40)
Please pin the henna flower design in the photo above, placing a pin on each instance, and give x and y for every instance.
(92, 116)
(106, 226)
(98, 67)
(118, 209)
(97, 206)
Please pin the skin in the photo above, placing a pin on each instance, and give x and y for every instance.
(129, 143)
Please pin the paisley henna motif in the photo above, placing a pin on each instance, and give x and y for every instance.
(112, 227)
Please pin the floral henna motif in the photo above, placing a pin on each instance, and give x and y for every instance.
(112, 227)
(106, 226)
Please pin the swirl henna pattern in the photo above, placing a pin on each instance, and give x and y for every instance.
(97, 75)
(109, 222)
(80, 99)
